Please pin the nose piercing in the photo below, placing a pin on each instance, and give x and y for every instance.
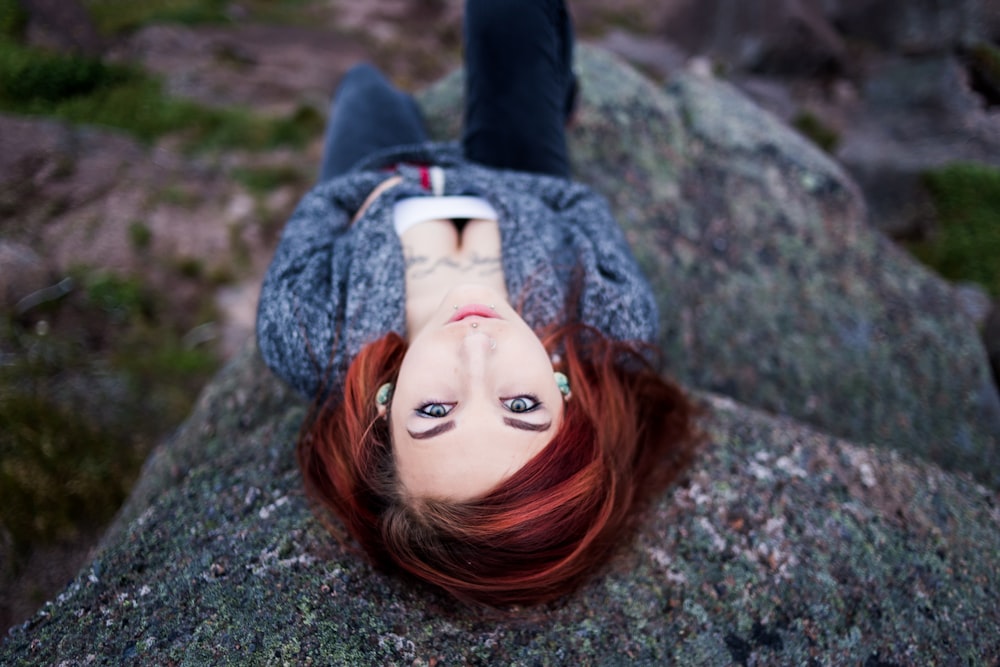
(493, 344)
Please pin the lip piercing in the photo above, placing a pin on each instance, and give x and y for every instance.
(493, 344)
(475, 324)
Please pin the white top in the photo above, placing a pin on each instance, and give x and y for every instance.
(414, 210)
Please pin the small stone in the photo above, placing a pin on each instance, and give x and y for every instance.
(23, 272)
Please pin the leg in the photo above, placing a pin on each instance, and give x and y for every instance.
(519, 84)
(367, 114)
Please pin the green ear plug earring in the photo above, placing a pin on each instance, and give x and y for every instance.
(383, 394)
(563, 383)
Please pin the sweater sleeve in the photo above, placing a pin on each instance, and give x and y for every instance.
(300, 312)
(616, 297)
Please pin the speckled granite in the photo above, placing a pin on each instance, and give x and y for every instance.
(771, 287)
(783, 546)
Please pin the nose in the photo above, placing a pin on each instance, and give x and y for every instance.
(476, 349)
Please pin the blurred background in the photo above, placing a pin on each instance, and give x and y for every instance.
(151, 151)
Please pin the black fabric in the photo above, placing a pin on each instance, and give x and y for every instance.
(519, 84)
(520, 91)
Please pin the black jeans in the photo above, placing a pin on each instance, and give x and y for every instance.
(519, 92)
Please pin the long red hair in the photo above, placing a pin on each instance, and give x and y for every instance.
(626, 434)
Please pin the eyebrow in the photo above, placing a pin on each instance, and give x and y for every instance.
(431, 432)
(526, 426)
(449, 425)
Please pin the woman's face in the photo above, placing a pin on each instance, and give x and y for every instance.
(475, 398)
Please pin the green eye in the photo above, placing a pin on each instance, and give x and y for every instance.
(521, 403)
(434, 410)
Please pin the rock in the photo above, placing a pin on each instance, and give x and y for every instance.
(772, 289)
(915, 26)
(22, 272)
(991, 20)
(916, 114)
(936, 84)
(656, 57)
(804, 37)
(275, 69)
(991, 337)
(923, 69)
(783, 546)
(63, 25)
(974, 301)
(789, 37)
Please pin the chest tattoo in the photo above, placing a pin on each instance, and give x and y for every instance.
(424, 266)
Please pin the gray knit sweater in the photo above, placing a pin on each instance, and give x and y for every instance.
(334, 287)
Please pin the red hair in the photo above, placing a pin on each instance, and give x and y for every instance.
(534, 537)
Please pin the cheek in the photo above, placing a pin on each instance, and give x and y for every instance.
(528, 349)
(417, 361)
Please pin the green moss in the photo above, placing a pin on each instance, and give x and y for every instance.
(57, 470)
(121, 299)
(88, 385)
(13, 19)
(304, 124)
(264, 180)
(190, 267)
(115, 16)
(156, 361)
(176, 195)
(966, 246)
(140, 235)
(30, 76)
(221, 275)
(816, 130)
(88, 91)
(987, 57)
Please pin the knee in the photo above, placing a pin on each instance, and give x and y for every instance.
(364, 80)
(360, 74)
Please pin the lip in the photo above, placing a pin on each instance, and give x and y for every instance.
(474, 310)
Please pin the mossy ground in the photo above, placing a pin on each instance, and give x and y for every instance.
(821, 134)
(90, 91)
(89, 383)
(965, 246)
(118, 16)
(92, 380)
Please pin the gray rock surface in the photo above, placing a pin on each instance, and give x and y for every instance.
(894, 82)
(809, 36)
(24, 272)
(782, 546)
(918, 114)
